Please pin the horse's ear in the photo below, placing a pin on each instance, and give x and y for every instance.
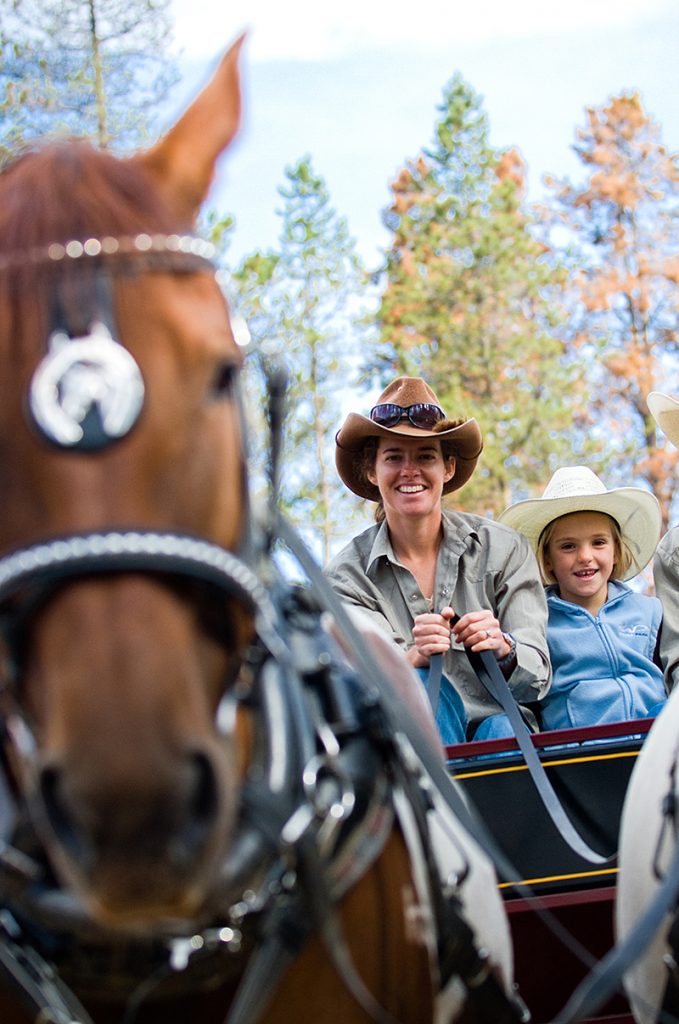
(183, 160)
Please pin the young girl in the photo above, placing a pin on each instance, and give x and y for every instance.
(602, 636)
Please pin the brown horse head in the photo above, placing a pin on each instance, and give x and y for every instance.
(132, 789)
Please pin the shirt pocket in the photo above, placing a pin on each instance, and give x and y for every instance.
(596, 702)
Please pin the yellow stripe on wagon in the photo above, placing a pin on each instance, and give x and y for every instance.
(558, 878)
(546, 764)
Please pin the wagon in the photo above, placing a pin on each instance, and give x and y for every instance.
(560, 906)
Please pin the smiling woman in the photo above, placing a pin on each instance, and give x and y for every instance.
(410, 476)
(422, 566)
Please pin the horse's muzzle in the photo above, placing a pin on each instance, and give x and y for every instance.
(139, 854)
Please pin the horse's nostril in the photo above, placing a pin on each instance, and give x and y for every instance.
(205, 800)
(51, 799)
(201, 812)
(56, 812)
(174, 817)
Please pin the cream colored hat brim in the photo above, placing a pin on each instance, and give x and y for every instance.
(665, 412)
(635, 510)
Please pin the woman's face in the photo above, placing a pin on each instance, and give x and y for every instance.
(410, 475)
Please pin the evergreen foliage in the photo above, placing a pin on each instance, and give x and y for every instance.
(472, 304)
(303, 306)
(70, 67)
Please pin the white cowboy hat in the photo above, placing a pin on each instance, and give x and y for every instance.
(578, 489)
(665, 412)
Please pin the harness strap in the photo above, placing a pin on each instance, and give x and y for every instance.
(287, 928)
(434, 681)
(34, 980)
(605, 977)
(327, 920)
(276, 950)
(669, 1009)
(489, 673)
(130, 551)
(295, 831)
(286, 931)
(462, 957)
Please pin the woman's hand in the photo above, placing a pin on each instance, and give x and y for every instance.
(431, 635)
(481, 631)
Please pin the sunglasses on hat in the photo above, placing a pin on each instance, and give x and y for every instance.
(423, 414)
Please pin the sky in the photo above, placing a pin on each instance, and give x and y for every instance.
(356, 86)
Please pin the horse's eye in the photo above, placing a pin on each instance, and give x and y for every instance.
(224, 379)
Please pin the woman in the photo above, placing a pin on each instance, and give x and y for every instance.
(421, 566)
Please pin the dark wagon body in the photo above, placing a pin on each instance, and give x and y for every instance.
(561, 917)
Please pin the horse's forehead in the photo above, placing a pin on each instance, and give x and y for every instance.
(70, 195)
(163, 313)
(70, 190)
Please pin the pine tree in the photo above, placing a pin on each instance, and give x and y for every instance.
(471, 303)
(302, 304)
(619, 229)
(95, 68)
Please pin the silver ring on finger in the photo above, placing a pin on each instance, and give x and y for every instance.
(488, 634)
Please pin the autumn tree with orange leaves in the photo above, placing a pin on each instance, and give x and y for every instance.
(619, 230)
(471, 303)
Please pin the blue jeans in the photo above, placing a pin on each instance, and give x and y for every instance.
(451, 718)
(495, 727)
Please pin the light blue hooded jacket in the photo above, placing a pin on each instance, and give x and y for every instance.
(602, 666)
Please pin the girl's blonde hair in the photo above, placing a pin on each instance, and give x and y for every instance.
(623, 555)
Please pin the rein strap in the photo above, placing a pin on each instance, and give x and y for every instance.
(489, 673)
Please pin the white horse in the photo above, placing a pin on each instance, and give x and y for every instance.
(648, 838)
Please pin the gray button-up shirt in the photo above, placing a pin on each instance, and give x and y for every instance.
(481, 564)
(666, 578)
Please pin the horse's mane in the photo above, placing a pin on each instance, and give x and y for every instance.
(61, 192)
(70, 190)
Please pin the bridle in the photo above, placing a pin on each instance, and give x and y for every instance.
(145, 251)
(331, 745)
(29, 575)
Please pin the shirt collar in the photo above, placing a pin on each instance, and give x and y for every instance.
(381, 548)
(616, 590)
(456, 529)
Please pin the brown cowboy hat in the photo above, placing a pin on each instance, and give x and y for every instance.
(405, 392)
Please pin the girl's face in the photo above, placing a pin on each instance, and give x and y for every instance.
(410, 475)
(581, 553)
